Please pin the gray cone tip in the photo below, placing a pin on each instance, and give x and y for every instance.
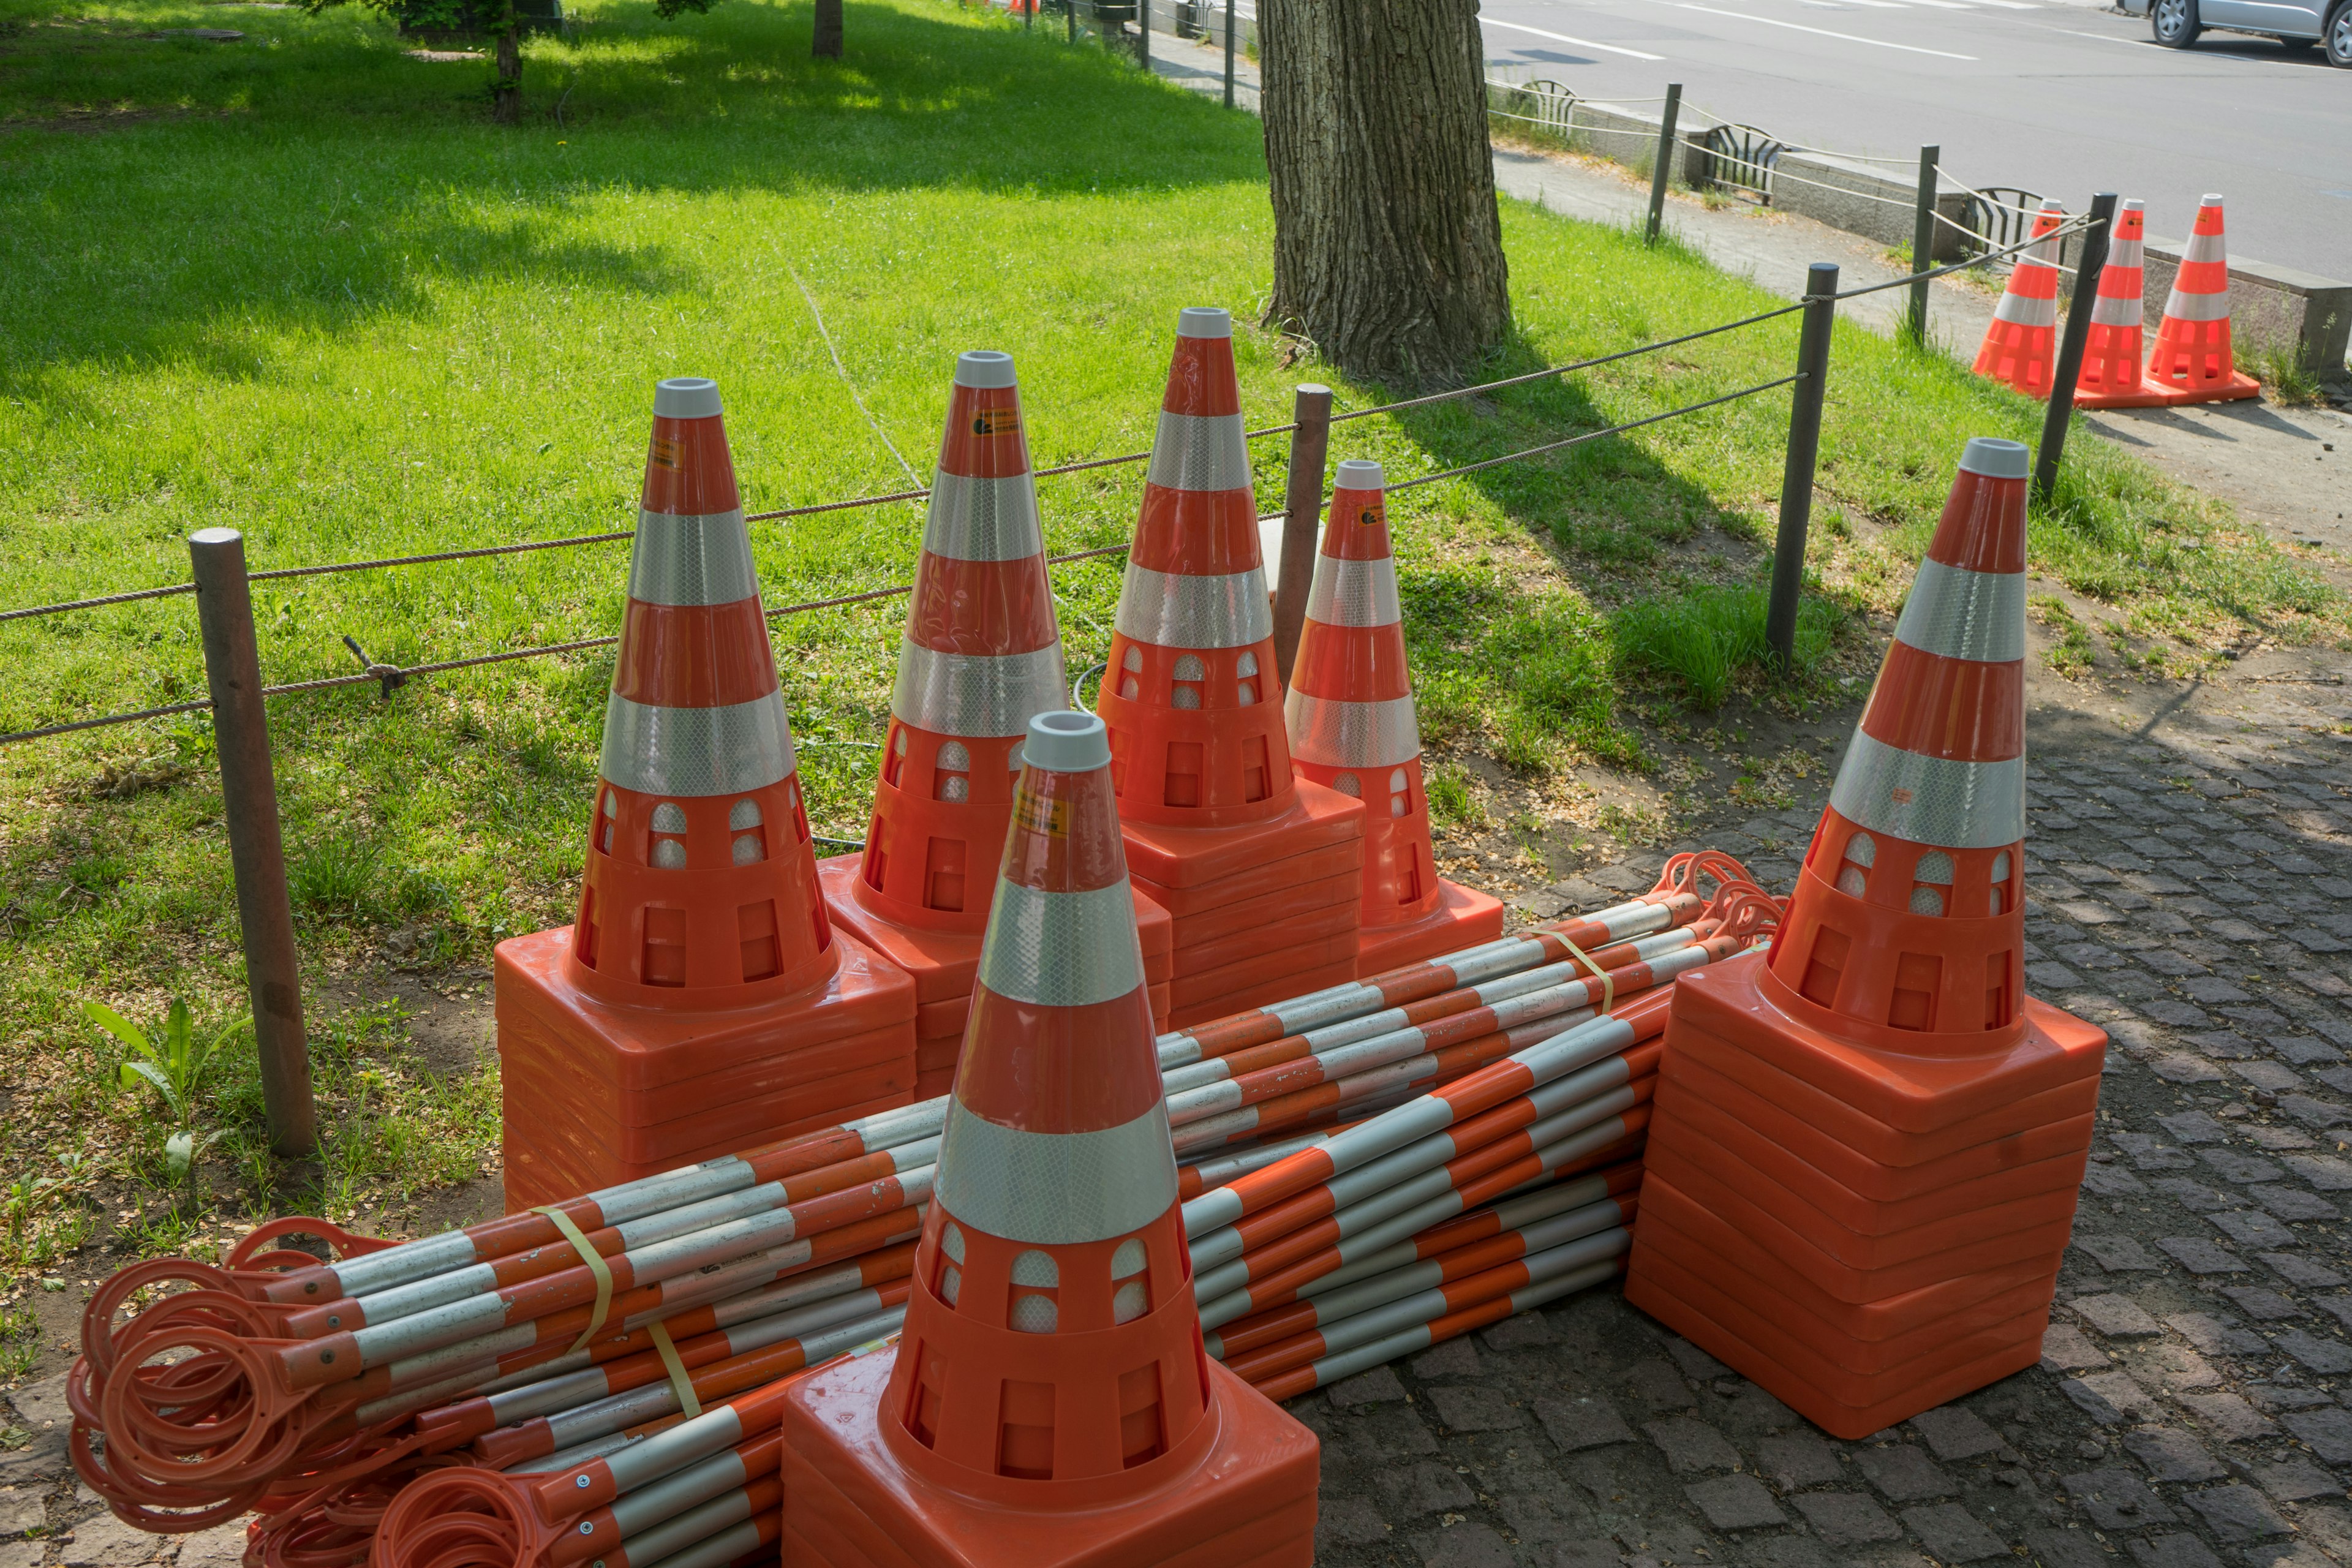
(983, 368)
(1360, 474)
(686, 397)
(1066, 742)
(1204, 321)
(1996, 459)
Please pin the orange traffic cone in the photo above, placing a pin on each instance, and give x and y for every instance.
(1048, 1400)
(1351, 727)
(2021, 347)
(702, 1000)
(2111, 355)
(1866, 1144)
(1207, 800)
(2192, 361)
(981, 656)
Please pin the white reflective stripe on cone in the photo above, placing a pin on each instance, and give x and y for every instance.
(1964, 614)
(2024, 310)
(1200, 452)
(678, 559)
(1170, 609)
(2206, 247)
(2113, 310)
(984, 696)
(1055, 1188)
(1930, 800)
(2187, 307)
(2127, 253)
(695, 752)
(1331, 733)
(1354, 592)
(1061, 949)
(982, 519)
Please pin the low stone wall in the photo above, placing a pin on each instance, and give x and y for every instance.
(1874, 201)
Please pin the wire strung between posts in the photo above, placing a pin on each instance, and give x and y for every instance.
(1943, 173)
(2073, 226)
(1594, 435)
(1778, 173)
(15, 735)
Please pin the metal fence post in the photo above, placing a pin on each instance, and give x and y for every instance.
(256, 854)
(1029, 17)
(1665, 160)
(1229, 54)
(1302, 513)
(1923, 245)
(1070, 12)
(1804, 450)
(1143, 33)
(2070, 347)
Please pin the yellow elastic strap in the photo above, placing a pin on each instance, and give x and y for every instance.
(1608, 984)
(596, 1266)
(676, 1370)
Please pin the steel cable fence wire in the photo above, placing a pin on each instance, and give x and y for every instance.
(1995, 250)
(2073, 226)
(1593, 435)
(1774, 171)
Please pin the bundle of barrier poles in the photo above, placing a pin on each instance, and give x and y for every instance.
(582, 1331)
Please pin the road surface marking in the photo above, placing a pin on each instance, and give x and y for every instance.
(1824, 32)
(1564, 38)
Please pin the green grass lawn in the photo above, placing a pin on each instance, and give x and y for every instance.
(299, 284)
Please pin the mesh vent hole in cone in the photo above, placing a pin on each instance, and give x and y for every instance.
(1888, 1011)
(1049, 1392)
(702, 975)
(1349, 716)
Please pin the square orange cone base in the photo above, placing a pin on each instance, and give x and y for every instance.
(848, 1502)
(1464, 917)
(2161, 393)
(942, 965)
(1797, 1215)
(597, 1094)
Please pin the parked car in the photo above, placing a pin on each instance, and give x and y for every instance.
(2298, 23)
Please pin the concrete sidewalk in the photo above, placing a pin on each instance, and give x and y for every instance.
(2288, 470)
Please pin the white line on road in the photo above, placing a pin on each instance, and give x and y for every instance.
(1824, 32)
(1564, 38)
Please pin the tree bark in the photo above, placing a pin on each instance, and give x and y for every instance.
(1388, 249)
(826, 44)
(506, 98)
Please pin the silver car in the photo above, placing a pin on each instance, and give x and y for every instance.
(2298, 23)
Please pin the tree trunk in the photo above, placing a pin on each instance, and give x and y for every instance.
(827, 42)
(506, 98)
(1388, 249)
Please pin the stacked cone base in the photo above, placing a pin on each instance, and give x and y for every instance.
(1865, 1232)
(1240, 1494)
(2158, 395)
(598, 1094)
(1464, 917)
(942, 964)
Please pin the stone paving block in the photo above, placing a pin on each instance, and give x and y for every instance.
(2251, 1229)
(2199, 1255)
(108, 1543)
(2176, 1368)
(1521, 1330)
(2065, 1548)
(2172, 1455)
(1346, 1521)
(1467, 1545)
(1657, 1384)
(1794, 1460)
(44, 1460)
(2279, 1397)
(2275, 1077)
(2315, 1112)
(1542, 1512)
(1786, 1552)
(2194, 1196)
(2325, 1171)
(1470, 1407)
(22, 1553)
(2112, 1181)
(2233, 1166)
(2194, 1127)
(1954, 1432)
(1695, 1363)
(2339, 1306)
(1390, 1431)
(2065, 1348)
(2328, 1431)
(2237, 1513)
(1434, 1488)
(1455, 1358)
(2305, 1050)
(2302, 1271)
(42, 1406)
(2117, 1254)
(2297, 1481)
(1952, 1535)
(2216, 1336)
(1845, 1519)
(2293, 1203)
(2116, 1499)
(1735, 1503)
(1691, 1446)
(1585, 1554)
(2285, 1554)
(2325, 1357)
(22, 1511)
(1582, 1422)
(2260, 1303)
(2116, 1317)
(2184, 1068)
(1378, 1387)
(1903, 1473)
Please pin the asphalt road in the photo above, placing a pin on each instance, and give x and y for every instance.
(2052, 96)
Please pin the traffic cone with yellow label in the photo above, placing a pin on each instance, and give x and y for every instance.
(702, 1000)
(981, 656)
(2021, 346)
(1866, 1143)
(2192, 359)
(1048, 1400)
(1352, 729)
(1254, 868)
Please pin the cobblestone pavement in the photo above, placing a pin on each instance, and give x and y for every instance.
(2189, 888)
